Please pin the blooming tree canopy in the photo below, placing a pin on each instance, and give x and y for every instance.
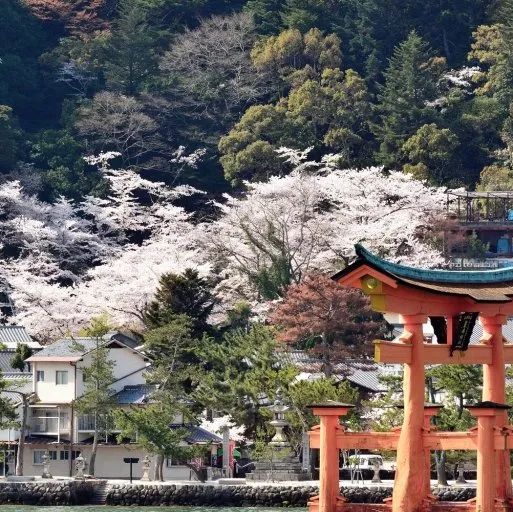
(67, 262)
(310, 221)
(112, 273)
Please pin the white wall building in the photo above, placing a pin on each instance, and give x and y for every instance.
(54, 426)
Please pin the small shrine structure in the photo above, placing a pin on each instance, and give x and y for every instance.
(453, 301)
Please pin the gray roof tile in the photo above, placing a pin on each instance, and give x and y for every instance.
(78, 346)
(362, 373)
(14, 334)
(136, 394)
(198, 435)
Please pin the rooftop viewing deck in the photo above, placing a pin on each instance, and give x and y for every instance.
(481, 209)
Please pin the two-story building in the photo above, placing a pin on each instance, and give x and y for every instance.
(54, 426)
(19, 383)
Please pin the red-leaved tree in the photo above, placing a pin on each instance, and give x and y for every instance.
(77, 16)
(333, 322)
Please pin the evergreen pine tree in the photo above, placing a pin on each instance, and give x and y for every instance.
(181, 294)
(410, 84)
(97, 399)
(22, 353)
(130, 52)
(266, 14)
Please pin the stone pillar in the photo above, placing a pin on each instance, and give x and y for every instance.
(494, 390)
(486, 414)
(329, 491)
(305, 464)
(227, 470)
(410, 487)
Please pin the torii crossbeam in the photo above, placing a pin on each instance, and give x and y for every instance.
(453, 300)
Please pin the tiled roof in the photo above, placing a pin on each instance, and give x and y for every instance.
(436, 276)
(21, 382)
(137, 394)
(198, 435)
(12, 335)
(77, 347)
(364, 374)
(494, 286)
(195, 435)
(129, 341)
(5, 361)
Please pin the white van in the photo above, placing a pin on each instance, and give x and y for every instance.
(367, 461)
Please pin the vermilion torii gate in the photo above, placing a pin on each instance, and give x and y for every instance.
(453, 300)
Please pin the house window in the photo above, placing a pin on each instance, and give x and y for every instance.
(38, 456)
(61, 377)
(172, 462)
(64, 454)
(40, 376)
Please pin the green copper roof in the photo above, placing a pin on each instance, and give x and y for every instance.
(435, 276)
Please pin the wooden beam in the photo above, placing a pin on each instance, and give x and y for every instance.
(508, 353)
(392, 352)
(451, 440)
(396, 352)
(432, 440)
(475, 354)
(389, 440)
(356, 440)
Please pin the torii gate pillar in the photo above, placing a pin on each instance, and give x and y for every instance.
(494, 384)
(487, 414)
(410, 480)
(329, 498)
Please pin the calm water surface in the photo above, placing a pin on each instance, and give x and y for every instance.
(89, 508)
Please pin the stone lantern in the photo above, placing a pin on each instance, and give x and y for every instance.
(46, 465)
(279, 423)
(287, 467)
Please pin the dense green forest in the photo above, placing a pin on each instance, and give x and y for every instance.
(426, 87)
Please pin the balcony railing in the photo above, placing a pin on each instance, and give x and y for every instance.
(49, 425)
(86, 423)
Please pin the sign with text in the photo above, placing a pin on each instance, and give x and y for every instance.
(463, 326)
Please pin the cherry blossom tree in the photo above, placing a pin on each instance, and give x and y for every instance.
(115, 273)
(67, 262)
(310, 220)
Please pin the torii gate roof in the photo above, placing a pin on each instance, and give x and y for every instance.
(494, 286)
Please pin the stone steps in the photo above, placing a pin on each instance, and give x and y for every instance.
(101, 490)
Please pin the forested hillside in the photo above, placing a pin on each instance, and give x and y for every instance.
(424, 87)
(255, 141)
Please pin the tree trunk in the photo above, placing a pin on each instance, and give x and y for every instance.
(156, 469)
(94, 449)
(327, 367)
(441, 473)
(159, 468)
(198, 472)
(446, 44)
(21, 441)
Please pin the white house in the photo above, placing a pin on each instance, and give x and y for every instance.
(18, 381)
(54, 425)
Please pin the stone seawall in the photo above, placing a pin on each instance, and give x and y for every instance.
(46, 493)
(245, 496)
(81, 493)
